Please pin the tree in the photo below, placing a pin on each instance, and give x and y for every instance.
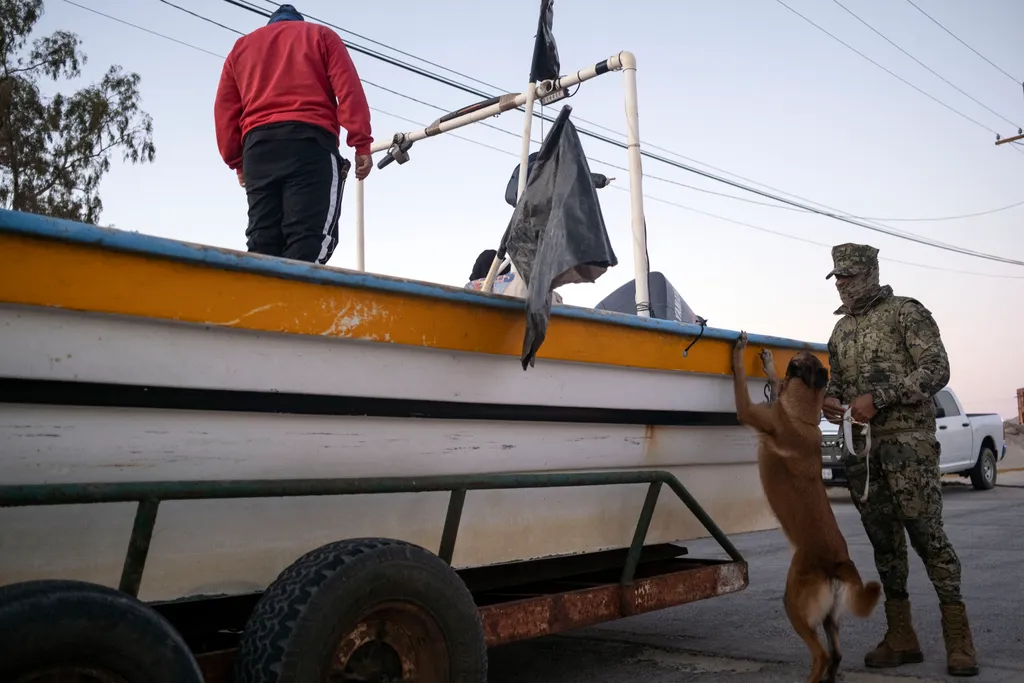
(55, 150)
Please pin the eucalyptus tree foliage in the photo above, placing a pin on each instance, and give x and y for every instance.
(55, 149)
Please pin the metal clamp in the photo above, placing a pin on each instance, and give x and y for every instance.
(399, 151)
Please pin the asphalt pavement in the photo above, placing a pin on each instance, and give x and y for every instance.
(746, 638)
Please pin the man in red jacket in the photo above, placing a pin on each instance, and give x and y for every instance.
(285, 90)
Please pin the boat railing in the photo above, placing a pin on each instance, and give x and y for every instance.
(397, 149)
(149, 495)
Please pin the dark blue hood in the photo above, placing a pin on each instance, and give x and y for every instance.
(285, 13)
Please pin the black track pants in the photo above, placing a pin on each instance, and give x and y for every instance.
(294, 189)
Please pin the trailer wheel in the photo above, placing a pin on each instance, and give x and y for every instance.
(372, 610)
(77, 632)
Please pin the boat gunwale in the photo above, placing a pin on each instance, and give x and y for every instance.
(37, 226)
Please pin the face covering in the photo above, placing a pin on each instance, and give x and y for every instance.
(859, 289)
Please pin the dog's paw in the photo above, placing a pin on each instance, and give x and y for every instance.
(767, 361)
(737, 353)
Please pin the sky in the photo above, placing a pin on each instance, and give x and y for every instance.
(746, 86)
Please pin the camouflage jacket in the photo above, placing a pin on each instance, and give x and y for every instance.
(892, 350)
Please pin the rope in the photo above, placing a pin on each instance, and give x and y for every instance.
(703, 325)
(769, 390)
(848, 423)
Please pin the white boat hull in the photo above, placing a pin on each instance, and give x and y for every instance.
(207, 547)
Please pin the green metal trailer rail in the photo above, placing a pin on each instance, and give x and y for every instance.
(149, 495)
(593, 595)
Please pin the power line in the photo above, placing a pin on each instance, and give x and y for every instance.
(401, 52)
(578, 118)
(950, 218)
(220, 56)
(709, 214)
(142, 28)
(444, 68)
(844, 218)
(685, 167)
(787, 236)
(199, 16)
(834, 213)
(936, 22)
(891, 73)
(930, 70)
(670, 181)
(515, 155)
(811, 201)
(351, 46)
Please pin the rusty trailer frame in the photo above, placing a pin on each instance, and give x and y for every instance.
(665, 582)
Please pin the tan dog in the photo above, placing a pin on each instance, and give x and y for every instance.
(823, 582)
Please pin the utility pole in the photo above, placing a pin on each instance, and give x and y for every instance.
(1012, 138)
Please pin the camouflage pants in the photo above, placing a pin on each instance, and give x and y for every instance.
(905, 499)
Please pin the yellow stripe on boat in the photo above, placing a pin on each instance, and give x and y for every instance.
(39, 271)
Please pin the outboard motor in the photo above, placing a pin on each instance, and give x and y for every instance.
(666, 303)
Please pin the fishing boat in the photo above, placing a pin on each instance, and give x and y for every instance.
(129, 357)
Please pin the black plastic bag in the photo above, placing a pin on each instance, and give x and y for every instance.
(599, 179)
(546, 64)
(557, 234)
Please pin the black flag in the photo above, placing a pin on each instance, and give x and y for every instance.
(545, 53)
(557, 234)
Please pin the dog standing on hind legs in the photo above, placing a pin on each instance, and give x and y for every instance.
(823, 583)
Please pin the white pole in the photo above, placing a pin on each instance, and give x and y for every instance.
(507, 102)
(524, 156)
(360, 227)
(636, 187)
(524, 150)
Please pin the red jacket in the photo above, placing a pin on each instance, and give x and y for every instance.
(289, 71)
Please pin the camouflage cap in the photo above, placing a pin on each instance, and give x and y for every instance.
(852, 259)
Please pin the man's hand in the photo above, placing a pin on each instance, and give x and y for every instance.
(833, 410)
(241, 177)
(863, 408)
(364, 164)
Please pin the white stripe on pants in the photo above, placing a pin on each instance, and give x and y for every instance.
(333, 212)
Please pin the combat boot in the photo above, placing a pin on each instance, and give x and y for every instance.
(900, 644)
(961, 659)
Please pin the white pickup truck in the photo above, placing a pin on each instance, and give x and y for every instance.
(972, 444)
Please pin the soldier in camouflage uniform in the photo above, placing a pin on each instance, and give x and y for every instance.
(887, 362)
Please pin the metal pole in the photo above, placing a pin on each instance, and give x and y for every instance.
(512, 101)
(138, 546)
(360, 227)
(505, 103)
(524, 149)
(451, 525)
(524, 156)
(641, 267)
(643, 526)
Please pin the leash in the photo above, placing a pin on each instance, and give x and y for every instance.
(848, 423)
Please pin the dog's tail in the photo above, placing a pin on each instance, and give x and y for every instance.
(861, 597)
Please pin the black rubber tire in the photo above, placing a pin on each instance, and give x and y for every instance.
(300, 619)
(986, 465)
(50, 624)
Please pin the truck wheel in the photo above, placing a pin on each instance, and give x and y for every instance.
(84, 633)
(371, 609)
(983, 474)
